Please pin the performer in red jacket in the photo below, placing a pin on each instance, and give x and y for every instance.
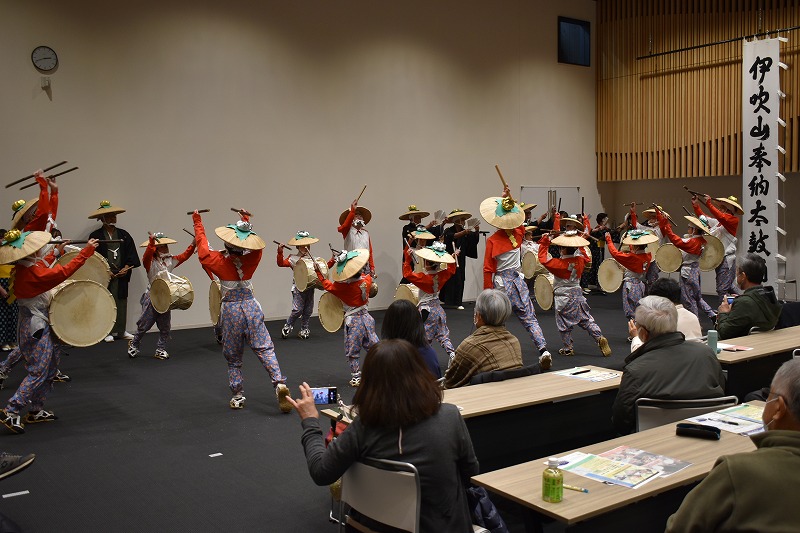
(636, 262)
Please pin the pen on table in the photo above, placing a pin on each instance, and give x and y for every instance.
(729, 422)
(573, 487)
(585, 370)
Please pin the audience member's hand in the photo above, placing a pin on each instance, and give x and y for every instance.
(305, 404)
(724, 307)
(633, 331)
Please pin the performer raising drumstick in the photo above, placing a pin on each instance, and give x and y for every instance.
(35, 276)
(157, 262)
(635, 263)
(652, 225)
(723, 225)
(302, 301)
(352, 226)
(241, 315)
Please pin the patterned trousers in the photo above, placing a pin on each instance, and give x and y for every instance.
(41, 362)
(150, 317)
(691, 296)
(436, 325)
(359, 332)
(8, 318)
(243, 320)
(517, 291)
(651, 275)
(632, 292)
(572, 310)
(302, 305)
(725, 279)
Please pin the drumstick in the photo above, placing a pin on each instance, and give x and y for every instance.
(362, 192)
(242, 211)
(189, 232)
(334, 250)
(558, 209)
(70, 241)
(700, 194)
(199, 211)
(632, 204)
(582, 208)
(50, 177)
(502, 179)
(282, 245)
(687, 211)
(34, 175)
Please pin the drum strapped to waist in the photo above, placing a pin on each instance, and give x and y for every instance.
(669, 257)
(82, 312)
(171, 292)
(543, 291)
(588, 256)
(530, 265)
(214, 301)
(407, 291)
(95, 268)
(713, 253)
(305, 276)
(331, 312)
(373, 290)
(610, 274)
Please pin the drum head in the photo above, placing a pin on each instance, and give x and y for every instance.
(82, 312)
(407, 291)
(713, 253)
(588, 252)
(669, 257)
(543, 290)
(301, 273)
(214, 301)
(530, 264)
(610, 274)
(331, 312)
(95, 268)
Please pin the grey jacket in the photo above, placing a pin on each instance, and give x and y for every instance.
(666, 367)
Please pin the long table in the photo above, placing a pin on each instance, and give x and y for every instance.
(609, 507)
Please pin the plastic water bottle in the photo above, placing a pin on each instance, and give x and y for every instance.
(712, 340)
(552, 482)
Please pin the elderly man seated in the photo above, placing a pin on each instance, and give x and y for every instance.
(490, 347)
(754, 491)
(665, 366)
(688, 323)
(757, 306)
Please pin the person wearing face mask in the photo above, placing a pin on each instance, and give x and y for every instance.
(757, 306)
(158, 263)
(724, 224)
(755, 491)
(35, 275)
(121, 257)
(665, 366)
(353, 227)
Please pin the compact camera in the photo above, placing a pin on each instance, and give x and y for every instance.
(324, 395)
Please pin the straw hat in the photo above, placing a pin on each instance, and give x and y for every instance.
(160, 239)
(699, 223)
(413, 211)
(527, 207)
(570, 239)
(639, 237)
(360, 210)
(457, 215)
(502, 213)
(436, 253)
(240, 235)
(530, 228)
(422, 233)
(20, 207)
(731, 201)
(575, 219)
(348, 264)
(17, 244)
(652, 212)
(302, 238)
(106, 209)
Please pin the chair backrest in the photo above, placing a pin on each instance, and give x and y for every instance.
(755, 330)
(796, 353)
(384, 490)
(502, 375)
(651, 413)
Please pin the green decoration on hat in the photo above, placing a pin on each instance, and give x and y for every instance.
(341, 264)
(501, 208)
(241, 234)
(15, 238)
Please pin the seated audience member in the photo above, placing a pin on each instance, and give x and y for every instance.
(401, 417)
(688, 323)
(757, 306)
(403, 321)
(665, 366)
(754, 491)
(490, 347)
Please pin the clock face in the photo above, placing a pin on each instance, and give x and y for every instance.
(44, 58)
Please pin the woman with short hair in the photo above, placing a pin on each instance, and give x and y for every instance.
(403, 321)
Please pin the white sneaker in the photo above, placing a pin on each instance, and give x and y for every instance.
(161, 354)
(127, 336)
(545, 360)
(460, 307)
(237, 402)
(110, 338)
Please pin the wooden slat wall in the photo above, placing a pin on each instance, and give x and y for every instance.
(680, 115)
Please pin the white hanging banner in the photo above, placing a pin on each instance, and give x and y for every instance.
(760, 113)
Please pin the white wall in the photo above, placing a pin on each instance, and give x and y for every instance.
(287, 109)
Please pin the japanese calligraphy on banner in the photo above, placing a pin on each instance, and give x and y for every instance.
(760, 113)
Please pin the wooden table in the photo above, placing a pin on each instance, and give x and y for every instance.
(594, 511)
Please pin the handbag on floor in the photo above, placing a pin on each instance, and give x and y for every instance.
(483, 511)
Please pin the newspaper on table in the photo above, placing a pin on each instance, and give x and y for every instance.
(744, 419)
(588, 374)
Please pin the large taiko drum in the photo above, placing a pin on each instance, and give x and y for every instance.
(304, 274)
(331, 312)
(171, 293)
(82, 312)
(214, 301)
(543, 290)
(713, 253)
(530, 264)
(95, 268)
(407, 291)
(669, 257)
(610, 274)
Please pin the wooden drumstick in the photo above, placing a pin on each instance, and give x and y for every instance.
(687, 211)
(632, 204)
(70, 241)
(189, 232)
(242, 211)
(199, 211)
(50, 177)
(334, 250)
(362, 192)
(695, 193)
(502, 179)
(34, 175)
(282, 245)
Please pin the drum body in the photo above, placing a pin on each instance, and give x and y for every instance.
(543, 290)
(713, 253)
(669, 257)
(588, 253)
(82, 312)
(530, 265)
(214, 301)
(304, 274)
(172, 293)
(407, 291)
(610, 275)
(373, 290)
(331, 312)
(95, 268)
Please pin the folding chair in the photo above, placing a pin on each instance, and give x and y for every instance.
(652, 413)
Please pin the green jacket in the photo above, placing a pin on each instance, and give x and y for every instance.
(757, 306)
(754, 491)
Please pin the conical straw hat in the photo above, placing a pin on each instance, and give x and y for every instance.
(240, 235)
(348, 264)
(302, 238)
(17, 244)
(20, 207)
(106, 209)
(502, 213)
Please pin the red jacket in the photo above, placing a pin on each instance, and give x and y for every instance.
(691, 246)
(636, 263)
(30, 282)
(425, 281)
(150, 251)
(560, 266)
(221, 264)
(500, 242)
(727, 220)
(354, 294)
(344, 229)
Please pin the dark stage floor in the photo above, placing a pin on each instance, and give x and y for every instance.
(130, 451)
